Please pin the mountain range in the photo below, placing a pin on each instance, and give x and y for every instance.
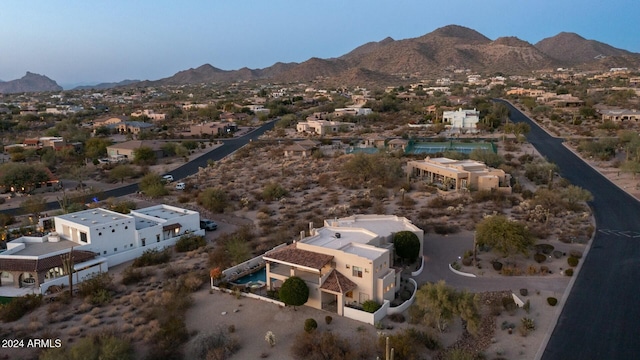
(29, 83)
(437, 53)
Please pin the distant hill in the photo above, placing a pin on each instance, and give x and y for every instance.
(438, 53)
(103, 86)
(29, 83)
(573, 49)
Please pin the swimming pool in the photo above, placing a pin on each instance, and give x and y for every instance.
(260, 275)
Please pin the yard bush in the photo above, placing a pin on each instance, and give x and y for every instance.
(370, 306)
(328, 319)
(190, 242)
(568, 272)
(552, 301)
(576, 254)
(544, 248)
(132, 276)
(310, 325)
(539, 258)
(572, 261)
(152, 257)
(497, 265)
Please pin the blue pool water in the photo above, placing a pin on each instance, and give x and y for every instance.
(260, 275)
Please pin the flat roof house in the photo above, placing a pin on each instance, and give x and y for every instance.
(344, 263)
(98, 238)
(451, 174)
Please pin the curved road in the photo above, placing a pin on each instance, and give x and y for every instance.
(190, 168)
(600, 319)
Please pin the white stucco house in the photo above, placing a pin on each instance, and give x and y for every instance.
(97, 239)
(462, 120)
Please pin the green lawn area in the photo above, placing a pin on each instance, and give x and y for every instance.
(5, 300)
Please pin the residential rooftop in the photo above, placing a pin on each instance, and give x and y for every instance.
(91, 217)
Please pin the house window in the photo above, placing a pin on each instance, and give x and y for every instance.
(99, 234)
(126, 227)
(357, 271)
(144, 242)
(83, 237)
(113, 230)
(115, 249)
(157, 237)
(349, 294)
(104, 252)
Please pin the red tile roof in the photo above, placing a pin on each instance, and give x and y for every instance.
(9, 264)
(293, 255)
(336, 282)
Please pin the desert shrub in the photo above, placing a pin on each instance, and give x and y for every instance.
(310, 325)
(328, 345)
(97, 288)
(105, 345)
(539, 258)
(444, 229)
(328, 319)
(552, 301)
(459, 354)
(132, 276)
(557, 254)
(273, 191)
(152, 257)
(190, 242)
(544, 248)
(19, 306)
(211, 345)
(572, 261)
(497, 265)
(532, 270)
(526, 325)
(511, 271)
(370, 306)
(576, 254)
(214, 199)
(524, 292)
(568, 272)
(399, 318)
(404, 343)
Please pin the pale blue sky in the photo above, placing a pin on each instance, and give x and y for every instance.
(91, 41)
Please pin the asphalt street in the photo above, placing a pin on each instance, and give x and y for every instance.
(600, 319)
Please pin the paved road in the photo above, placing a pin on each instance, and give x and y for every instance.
(190, 168)
(601, 318)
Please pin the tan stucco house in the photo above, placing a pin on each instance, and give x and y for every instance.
(451, 174)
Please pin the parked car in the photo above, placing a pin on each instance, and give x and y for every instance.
(167, 178)
(180, 186)
(208, 225)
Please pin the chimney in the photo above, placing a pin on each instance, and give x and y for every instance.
(301, 235)
(310, 227)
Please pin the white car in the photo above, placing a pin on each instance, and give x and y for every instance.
(180, 186)
(167, 178)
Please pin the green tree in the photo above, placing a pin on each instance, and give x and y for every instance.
(213, 199)
(574, 196)
(23, 177)
(34, 205)
(407, 245)
(294, 292)
(121, 172)
(632, 167)
(151, 185)
(503, 235)
(440, 303)
(486, 156)
(169, 148)
(96, 147)
(144, 155)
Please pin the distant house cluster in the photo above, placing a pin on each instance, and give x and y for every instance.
(122, 125)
